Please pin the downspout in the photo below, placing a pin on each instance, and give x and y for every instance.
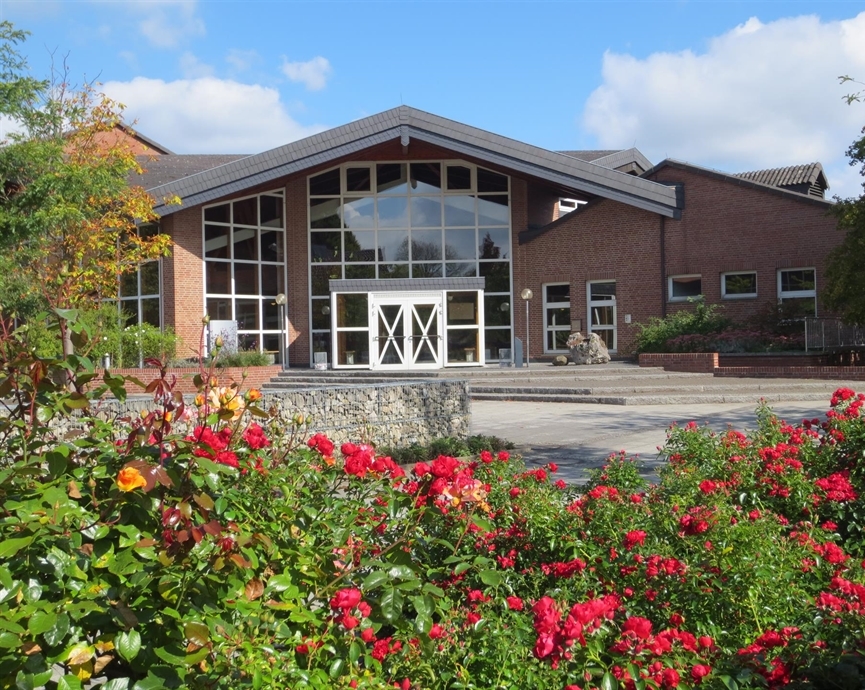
(663, 267)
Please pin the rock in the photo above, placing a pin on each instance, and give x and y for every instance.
(560, 361)
(589, 350)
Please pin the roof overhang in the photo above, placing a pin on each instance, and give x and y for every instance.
(405, 124)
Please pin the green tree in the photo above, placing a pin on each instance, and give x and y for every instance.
(844, 292)
(68, 217)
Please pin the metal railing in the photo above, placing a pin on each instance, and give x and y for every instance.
(829, 333)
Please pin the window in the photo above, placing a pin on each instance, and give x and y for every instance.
(602, 311)
(739, 284)
(568, 205)
(139, 291)
(557, 316)
(797, 291)
(684, 287)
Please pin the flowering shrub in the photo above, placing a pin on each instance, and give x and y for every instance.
(201, 546)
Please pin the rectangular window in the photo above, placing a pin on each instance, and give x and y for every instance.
(602, 311)
(557, 317)
(684, 287)
(797, 291)
(739, 284)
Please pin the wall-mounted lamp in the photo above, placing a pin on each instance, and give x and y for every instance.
(325, 309)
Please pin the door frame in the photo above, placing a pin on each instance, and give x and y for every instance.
(407, 301)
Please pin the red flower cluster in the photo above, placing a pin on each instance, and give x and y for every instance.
(344, 602)
(255, 437)
(322, 444)
(213, 446)
(358, 460)
(554, 636)
(837, 487)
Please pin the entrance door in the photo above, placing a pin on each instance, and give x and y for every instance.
(406, 331)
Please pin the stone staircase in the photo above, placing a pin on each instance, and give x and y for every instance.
(615, 383)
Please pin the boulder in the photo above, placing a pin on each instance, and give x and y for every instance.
(588, 350)
(560, 361)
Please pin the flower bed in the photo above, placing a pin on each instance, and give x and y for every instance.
(214, 546)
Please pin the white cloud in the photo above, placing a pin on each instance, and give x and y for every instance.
(761, 95)
(241, 60)
(165, 23)
(193, 68)
(208, 115)
(313, 73)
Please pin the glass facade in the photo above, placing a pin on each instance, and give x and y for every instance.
(244, 266)
(139, 292)
(423, 219)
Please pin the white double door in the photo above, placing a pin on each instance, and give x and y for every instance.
(406, 331)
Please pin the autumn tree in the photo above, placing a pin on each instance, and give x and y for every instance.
(68, 216)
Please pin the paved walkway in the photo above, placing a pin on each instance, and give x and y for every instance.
(578, 437)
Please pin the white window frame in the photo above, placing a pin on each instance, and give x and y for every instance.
(741, 295)
(608, 302)
(670, 279)
(567, 205)
(798, 294)
(554, 305)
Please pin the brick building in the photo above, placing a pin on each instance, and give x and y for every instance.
(405, 241)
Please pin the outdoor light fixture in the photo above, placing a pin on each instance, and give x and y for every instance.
(281, 301)
(325, 309)
(527, 295)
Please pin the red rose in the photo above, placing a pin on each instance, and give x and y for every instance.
(346, 599)
(515, 603)
(700, 671)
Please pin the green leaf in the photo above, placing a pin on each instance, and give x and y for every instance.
(280, 583)
(115, 684)
(58, 632)
(609, 682)
(9, 547)
(152, 682)
(128, 644)
(197, 633)
(423, 624)
(195, 657)
(493, 578)
(9, 640)
(401, 572)
(461, 567)
(172, 655)
(354, 652)
(375, 580)
(391, 604)
(729, 682)
(336, 667)
(41, 622)
(69, 683)
(483, 523)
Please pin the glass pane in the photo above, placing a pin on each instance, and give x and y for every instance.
(360, 245)
(245, 244)
(218, 214)
(426, 178)
(216, 242)
(425, 332)
(150, 312)
(602, 316)
(459, 177)
(393, 212)
(608, 335)
(246, 314)
(462, 345)
(426, 245)
(321, 314)
(321, 276)
(740, 284)
(426, 212)
(324, 213)
(462, 308)
(326, 184)
(461, 270)
(129, 284)
(219, 309)
(460, 244)
(493, 210)
(325, 246)
(562, 316)
(351, 311)
(393, 245)
(272, 243)
(271, 344)
(687, 286)
(321, 343)
(391, 334)
(218, 277)
(271, 211)
(497, 310)
(248, 342)
(459, 211)
(496, 339)
(497, 276)
(557, 340)
(489, 181)
(391, 178)
(129, 313)
(246, 211)
(272, 280)
(602, 291)
(426, 270)
(558, 293)
(150, 278)
(359, 271)
(270, 311)
(794, 281)
(246, 279)
(494, 243)
(390, 271)
(358, 180)
(359, 213)
(353, 347)
(795, 307)
(148, 230)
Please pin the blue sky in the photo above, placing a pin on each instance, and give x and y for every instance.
(729, 85)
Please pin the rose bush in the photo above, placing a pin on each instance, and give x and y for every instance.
(203, 545)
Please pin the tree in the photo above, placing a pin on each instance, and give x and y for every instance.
(844, 292)
(68, 216)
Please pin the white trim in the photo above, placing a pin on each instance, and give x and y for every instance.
(797, 294)
(554, 305)
(741, 295)
(609, 301)
(670, 279)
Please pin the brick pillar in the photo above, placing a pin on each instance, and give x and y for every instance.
(183, 279)
(297, 265)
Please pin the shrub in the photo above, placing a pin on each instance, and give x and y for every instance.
(243, 358)
(702, 320)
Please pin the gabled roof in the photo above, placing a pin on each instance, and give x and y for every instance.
(405, 123)
(162, 170)
(808, 174)
(626, 160)
(590, 155)
(739, 181)
(147, 141)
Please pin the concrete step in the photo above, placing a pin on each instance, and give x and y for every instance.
(716, 387)
(681, 398)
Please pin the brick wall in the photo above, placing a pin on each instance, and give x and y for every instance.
(691, 362)
(183, 279)
(764, 372)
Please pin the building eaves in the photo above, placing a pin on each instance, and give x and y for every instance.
(162, 170)
(809, 173)
(738, 181)
(337, 143)
(619, 159)
(155, 145)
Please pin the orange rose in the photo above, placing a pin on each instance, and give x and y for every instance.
(130, 479)
(253, 394)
